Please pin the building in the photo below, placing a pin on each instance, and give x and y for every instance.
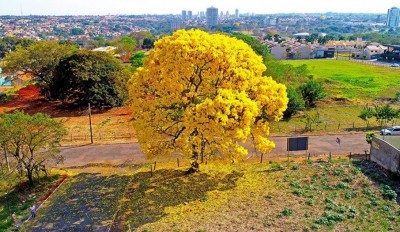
(237, 13)
(392, 53)
(373, 51)
(184, 16)
(176, 25)
(212, 17)
(393, 17)
(190, 14)
(279, 52)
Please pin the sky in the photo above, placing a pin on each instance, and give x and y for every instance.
(136, 7)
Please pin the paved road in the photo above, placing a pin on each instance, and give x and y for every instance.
(319, 144)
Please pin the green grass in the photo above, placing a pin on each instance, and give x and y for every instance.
(353, 80)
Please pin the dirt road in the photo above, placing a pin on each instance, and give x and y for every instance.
(318, 145)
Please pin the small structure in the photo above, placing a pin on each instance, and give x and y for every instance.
(279, 52)
(386, 155)
(324, 53)
(392, 53)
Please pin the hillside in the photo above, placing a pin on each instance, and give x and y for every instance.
(353, 80)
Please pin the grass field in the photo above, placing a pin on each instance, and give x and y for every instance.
(278, 196)
(353, 80)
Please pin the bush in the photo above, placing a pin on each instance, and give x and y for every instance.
(388, 193)
(298, 192)
(287, 212)
(295, 167)
(312, 91)
(338, 172)
(341, 185)
(296, 103)
(352, 213)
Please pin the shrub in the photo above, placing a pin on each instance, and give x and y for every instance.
(295, 167)
(287, 212)
(295, 184)
(295, 104)
(312, 91)
(352, 213)
(298, 192)
(338, 171)
(388, 193)
(329, 206)
(276, 167)
(333, 217)
(341, 185)
(349, 195)
(310, 202)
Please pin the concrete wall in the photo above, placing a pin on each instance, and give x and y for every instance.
(385, 155)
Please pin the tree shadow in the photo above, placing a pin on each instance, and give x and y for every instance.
(87, 202)
(379, 175)
(149, 196)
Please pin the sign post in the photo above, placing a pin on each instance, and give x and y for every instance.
(297, 144)
(338, 145)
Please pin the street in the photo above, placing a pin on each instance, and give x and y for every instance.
(118, 153)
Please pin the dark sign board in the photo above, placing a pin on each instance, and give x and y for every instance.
(297, 144)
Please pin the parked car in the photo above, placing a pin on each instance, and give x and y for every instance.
(395, 130)
(395, 65)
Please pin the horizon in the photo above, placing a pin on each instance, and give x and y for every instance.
(153, 7)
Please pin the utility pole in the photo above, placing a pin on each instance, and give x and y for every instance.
(90, 124)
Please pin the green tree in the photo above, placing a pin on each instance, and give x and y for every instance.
(296, 103)
(125, 47)
(366, 113)
(140, 36)
(9, 44)
(385, 114)
(90, 77)
(137, 60)
(32, 141)
(312, 91)
(148, 43)
(40, 59)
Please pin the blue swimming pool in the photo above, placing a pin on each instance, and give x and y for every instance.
(5, 82)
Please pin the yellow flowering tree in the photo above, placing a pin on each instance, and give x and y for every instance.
(200, 94)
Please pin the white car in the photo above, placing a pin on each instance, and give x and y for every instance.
(395, 130)
(395, 65)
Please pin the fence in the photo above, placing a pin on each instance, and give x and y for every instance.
(282, 128)
(98, 137)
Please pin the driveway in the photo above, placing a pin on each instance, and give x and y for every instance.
(118, 153)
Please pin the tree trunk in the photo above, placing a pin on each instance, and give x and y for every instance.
(29, 174)
(6, 158)
(203, 147)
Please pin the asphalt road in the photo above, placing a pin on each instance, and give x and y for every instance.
(118, 153)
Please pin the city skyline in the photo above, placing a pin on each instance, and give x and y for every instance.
(132, 7)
